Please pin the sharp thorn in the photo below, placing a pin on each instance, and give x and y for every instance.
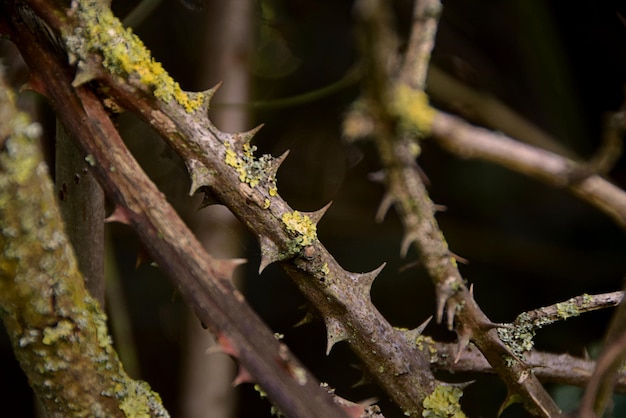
(269, 253)
(317, 215)
(364, 281)
(120, 214)
(245, 137)
(275, 164)
(335, 332)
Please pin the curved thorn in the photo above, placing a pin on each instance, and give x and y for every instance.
(309, 316)
(241, 138)
(208, 95)
(243, 376)
(317, 215)
(377, 177)
(335, 332)
(385, 204)
(120, 214)
(275, 164)
(406, 244)
(510, 399)
(269, 253)
(412, 334)
(364, 281)
(200, 175)
(84, 74)
(228, 266)
(458, 258)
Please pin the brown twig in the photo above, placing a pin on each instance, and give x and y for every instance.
(203, 281)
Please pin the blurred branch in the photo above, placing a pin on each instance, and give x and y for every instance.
(609, 368)
(58, 332)
(467, 141)
(489, 111)
(401, 117)
(421, 42)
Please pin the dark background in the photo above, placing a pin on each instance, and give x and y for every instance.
(560, 64)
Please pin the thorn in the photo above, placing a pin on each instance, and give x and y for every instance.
(586, 354)
(207, 94)
(335, 332)
(463, 342)
(223, 344)
(275, 164)
(462, 385)
(385, 204)
(200, 175)
(142, 257)
(120, 214)
(422, 326)
(227, 266)
(451, 313)
(84, 74)
(309, 316)
(241, 138)
(458, 258)
(35, 84)
(364, 281)
(412, 334)
(317, 215)
(444, 291)
(406, 243)
(440, 208)
(409, 266)
(243, 376)
(377, 177)
(269, 252)
(510, 399)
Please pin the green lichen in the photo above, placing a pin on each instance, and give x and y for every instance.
(412, 107)
(567, 309)
(443, 402)
(520, 337)
(123, 54)
(302, 226)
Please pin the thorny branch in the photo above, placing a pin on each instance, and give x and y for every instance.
(223, 166)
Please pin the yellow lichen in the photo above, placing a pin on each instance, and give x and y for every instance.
(301, 225)
(443, 403)
(251, 170)
(412, 107)
(62, 330)
(123, 53)
(325, 269)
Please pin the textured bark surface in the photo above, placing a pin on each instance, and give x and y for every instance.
(58, 332)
